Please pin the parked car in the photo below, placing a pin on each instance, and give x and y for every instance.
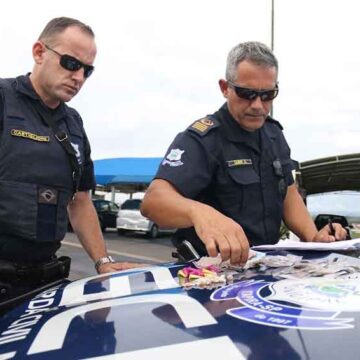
(323, 219)
(107, 213)
(130, 219)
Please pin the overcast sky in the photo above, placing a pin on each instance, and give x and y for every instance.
(159, 62)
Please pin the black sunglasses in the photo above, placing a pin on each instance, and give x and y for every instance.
(71, 63)
(251, 94)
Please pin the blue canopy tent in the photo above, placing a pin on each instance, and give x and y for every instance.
(336, 173)
(126, 174)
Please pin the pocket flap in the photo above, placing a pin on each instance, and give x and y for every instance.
(244, 175)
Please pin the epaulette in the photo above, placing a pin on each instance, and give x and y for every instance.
(270, 119)
(203, 126)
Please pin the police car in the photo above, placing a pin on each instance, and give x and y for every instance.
(151, 313)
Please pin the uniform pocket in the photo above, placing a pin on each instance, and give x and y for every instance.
(247, 183)
(244, 175)
(18, 209)
(235, 187)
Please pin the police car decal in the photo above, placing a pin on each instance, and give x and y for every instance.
(146, 314)
(312, 303)
(174, 158)
(46, 324)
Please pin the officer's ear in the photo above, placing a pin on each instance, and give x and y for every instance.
(38, 51)
(224, 87)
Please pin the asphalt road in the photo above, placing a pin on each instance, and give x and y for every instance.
(133, 247)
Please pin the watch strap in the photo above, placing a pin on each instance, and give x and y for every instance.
(103, 260)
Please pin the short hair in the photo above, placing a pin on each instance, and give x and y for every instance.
(253, 51)
(58, 25)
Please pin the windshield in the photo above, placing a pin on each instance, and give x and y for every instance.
(131, 205)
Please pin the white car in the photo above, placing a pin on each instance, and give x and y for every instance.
(130, 219)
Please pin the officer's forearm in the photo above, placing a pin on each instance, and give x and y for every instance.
(166, 207)
(297, 217)
(85, 223)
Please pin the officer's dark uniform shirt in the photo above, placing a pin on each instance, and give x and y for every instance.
(36, 181)
(242, 174)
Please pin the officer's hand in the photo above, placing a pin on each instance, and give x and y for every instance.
(326, 233)
(220, 233)
(117, 266)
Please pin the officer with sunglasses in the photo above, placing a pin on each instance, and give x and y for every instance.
(226, 181)
(45, 167)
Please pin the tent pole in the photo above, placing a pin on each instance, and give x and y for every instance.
(113, 193)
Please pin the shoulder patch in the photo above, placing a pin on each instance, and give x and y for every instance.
(203, 126)
(271, 120)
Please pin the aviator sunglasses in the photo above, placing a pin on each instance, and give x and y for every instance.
(70, 63)
(251, 94)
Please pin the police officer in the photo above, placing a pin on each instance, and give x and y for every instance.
(226, 181)
(45, 164)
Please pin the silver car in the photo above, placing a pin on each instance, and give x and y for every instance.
(130, 219)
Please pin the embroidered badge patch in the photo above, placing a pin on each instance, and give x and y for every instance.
(202, 125)
(29, 135)
(47, 196)
(174, 158)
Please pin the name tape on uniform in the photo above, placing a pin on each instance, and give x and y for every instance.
(29, 135)
(239, 162)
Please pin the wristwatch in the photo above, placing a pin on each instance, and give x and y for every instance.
(103, 260)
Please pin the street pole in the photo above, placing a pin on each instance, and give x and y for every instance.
(272, 25)
(272, 41)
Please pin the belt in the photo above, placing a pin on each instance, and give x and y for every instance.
(17, 273)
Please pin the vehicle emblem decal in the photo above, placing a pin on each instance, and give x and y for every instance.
(312, 303)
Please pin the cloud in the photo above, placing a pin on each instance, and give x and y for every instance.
(159, 62)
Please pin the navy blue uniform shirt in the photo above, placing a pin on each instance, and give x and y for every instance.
(31, 159)
(242, 174)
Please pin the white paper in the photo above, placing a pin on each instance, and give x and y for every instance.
(344, 245)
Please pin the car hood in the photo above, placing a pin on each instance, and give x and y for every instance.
(146, 314)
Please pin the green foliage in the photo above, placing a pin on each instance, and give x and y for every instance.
(284, 232)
